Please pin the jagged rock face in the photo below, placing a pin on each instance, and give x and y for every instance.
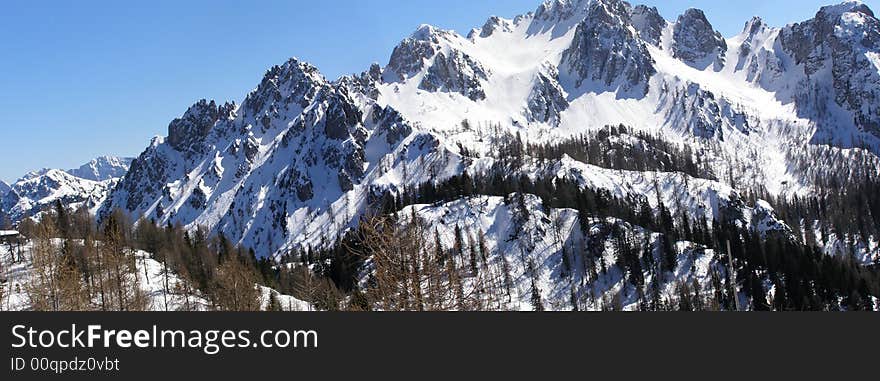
(845, 41)
(455, 73)
(696, 42)
(297, 144)
(186, 133)
(389, 123)
(4, 188)
(755, 26)
(146, 176)
(364, 83)
(285, 89)
(492, 25)
(547, 100)
(559, 10)
(702, 113)
(763, 66)
(340, 113)
(446, 69)
(649, 23)
(408, 58)
(607, 52)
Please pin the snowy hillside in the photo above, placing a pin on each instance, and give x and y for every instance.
(164, 293)
(532, 245)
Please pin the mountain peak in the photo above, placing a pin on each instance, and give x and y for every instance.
(834, 12)
(648, 23)
(196, 123)
(493, 24)
(425, 32)
(294, 82)
(754, 25)
(103, 168)
(606, 52)
(558, 10)
(696, 42)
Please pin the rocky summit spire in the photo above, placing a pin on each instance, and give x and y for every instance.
(696, 42)
(186, 132)
(649, 23)
(445, 68)
(559, 10)
(408, 57)
(606, 52)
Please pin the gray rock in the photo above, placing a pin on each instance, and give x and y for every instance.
(457, 73)
(294, 83)
(559, 10)
(695, 41)
(390, 123)
(186, 133)
(547, 100)
(702, 113)
(452, 71)
(408, 57)
(648, 23)
(607, 52)
(492, 25)
(842, 44)
(341, 114)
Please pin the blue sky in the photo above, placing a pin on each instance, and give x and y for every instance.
(79, 79)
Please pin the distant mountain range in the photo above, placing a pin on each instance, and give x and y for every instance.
(87, 186)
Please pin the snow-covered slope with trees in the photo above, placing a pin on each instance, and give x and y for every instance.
(24, 283)
(298, 160)
(535, 256)
(759, 130)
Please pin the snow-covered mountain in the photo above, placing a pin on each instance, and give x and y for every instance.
(298, 162)
(301, 157)
(86, 187)
(103, 168)
(4, 187)
(34, 193)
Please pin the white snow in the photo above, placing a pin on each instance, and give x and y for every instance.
(150, 275)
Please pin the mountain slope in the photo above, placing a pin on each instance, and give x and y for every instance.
(302, 157)
(545, 253)
(149, 276)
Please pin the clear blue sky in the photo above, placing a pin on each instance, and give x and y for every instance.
(79, 79)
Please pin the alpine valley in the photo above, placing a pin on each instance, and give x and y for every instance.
(589, 155)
